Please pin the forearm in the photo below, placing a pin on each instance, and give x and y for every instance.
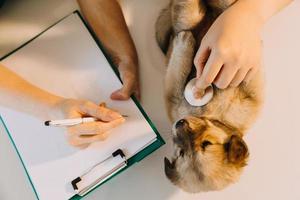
(107, 20)
(262, 10)
(18, 94)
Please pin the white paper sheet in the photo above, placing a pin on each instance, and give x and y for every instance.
(65, 60)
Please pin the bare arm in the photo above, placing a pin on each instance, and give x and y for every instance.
(18, 94)
(107, 20)
(267, 8)
(230, 52)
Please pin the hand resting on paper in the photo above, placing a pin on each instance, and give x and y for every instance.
(84, 134)
(19, 94)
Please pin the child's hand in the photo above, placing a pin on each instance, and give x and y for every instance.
(84, 134)
(230, 52)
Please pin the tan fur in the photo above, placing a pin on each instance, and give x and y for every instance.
(209, 152)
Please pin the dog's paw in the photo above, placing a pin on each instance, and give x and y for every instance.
(185, 39)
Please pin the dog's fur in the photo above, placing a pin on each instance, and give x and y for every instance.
(209, 152)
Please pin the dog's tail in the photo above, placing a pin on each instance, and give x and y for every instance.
(163, 29)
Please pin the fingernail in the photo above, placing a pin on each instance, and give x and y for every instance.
(115, 115)
(219, 85)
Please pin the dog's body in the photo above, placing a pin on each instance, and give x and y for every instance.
(209, 150)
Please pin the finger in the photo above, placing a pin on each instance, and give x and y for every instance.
(104, 127)
(239, 77)
(129, 86)
(225, 76)
(251, 73)
(73, 113)
(94, 128)
(210, 71)
(101, 113)
(79, 141)
(91, 128)
(201, 59)
(129, 76)
(198, 93)
(103, 104)
(124, 94)
(120, 95)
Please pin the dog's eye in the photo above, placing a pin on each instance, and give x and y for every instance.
(205, 143)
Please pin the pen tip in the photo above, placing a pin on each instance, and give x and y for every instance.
(47, 123)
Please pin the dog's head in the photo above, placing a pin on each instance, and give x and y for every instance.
(207, 155)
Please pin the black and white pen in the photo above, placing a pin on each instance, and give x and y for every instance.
(72, 122)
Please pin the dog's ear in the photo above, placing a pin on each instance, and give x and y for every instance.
(237, 151)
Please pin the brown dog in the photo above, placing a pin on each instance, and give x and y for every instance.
(209, 152)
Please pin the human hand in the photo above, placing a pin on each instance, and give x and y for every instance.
(230, 52)
(130, 78)
(118, 43)
(84, 134)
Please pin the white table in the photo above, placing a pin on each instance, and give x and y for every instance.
(274, 168)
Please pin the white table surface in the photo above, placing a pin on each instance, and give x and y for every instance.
(274, 168)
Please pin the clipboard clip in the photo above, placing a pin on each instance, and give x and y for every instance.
(85, 190)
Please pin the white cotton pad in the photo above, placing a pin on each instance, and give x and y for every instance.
(189, 96)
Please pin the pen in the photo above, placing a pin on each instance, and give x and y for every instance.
(72, 122)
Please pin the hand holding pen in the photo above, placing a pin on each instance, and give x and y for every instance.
(85, 121)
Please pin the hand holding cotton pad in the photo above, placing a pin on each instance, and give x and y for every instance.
(189, 95)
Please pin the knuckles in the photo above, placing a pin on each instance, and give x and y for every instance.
(87, 104)
(227, 52)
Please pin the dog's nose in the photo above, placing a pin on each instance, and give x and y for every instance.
(181, 123)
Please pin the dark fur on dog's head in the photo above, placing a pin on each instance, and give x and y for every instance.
(208, 155)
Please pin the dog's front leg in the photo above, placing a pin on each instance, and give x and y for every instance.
(179, 68)
(187, 14)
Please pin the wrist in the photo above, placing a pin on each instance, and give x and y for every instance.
(128, 60)
(128, 64)
(52, 107)
(252, 12)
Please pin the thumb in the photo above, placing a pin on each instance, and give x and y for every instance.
(120, 94)
(201, 59)
(130, 86)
